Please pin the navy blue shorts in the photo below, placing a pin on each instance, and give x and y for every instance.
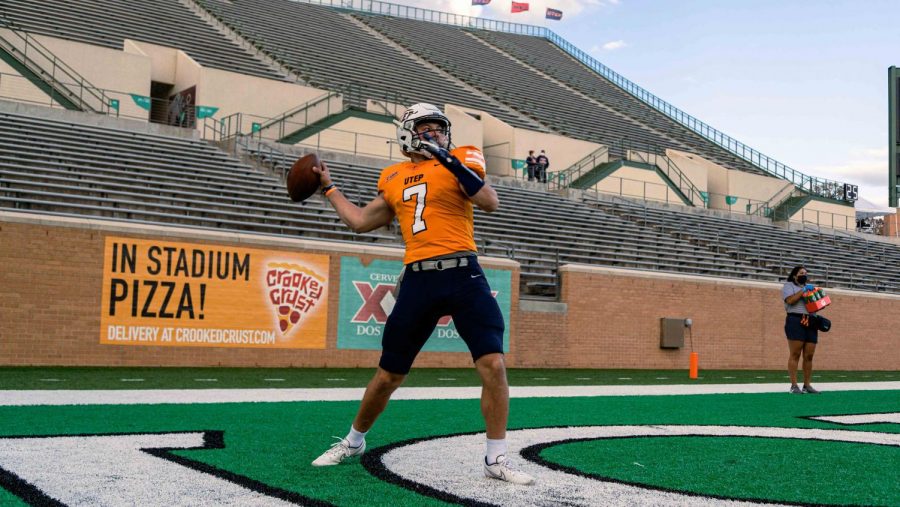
(795, 330)
(425, 297)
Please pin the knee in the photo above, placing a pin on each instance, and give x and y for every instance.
(385, 380)
(492, 365)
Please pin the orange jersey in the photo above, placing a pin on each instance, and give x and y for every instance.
(435, 215)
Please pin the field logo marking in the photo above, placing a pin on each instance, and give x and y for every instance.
(140, 469)
(453, 472)
(128, 469)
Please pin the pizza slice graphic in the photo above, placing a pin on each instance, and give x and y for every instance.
(293, 291)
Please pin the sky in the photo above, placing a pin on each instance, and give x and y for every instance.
(802, 81)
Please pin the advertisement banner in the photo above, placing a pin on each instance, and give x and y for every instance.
(366, 301)
(195, 295)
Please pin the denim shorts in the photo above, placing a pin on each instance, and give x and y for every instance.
(795, 330)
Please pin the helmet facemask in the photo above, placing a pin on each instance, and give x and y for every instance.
(411, 141)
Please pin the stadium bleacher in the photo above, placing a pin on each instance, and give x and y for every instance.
(834, 258)
(47, 167)
(542, 54)
(108, 22)
(62, 168)
(330, 51)
(517, 86)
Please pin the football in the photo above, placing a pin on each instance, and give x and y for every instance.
(302, 182)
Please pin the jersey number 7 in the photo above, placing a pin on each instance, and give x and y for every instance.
(419, 192)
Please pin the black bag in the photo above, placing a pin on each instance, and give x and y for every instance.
(813, 321)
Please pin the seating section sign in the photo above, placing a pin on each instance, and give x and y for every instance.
(366, 300)
(202, 295)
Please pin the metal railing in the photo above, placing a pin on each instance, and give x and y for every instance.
(122, 104)
(636, 152)
(648, 191)
(280, 163)
(814, 185)
(568, 175)
(827, 219)
(767, 208)
(655, 155)
(818, 186)
(228, 131)
(277, 161)
(320, 108)
(55, 73)
(446, 18)
(345, 141)
(279, 127)
(334, 101)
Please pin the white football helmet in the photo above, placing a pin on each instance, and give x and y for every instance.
(415, 114)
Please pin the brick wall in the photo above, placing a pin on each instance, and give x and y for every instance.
(51, 277)
(613, 320)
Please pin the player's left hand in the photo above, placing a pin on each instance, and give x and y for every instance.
(432, 147)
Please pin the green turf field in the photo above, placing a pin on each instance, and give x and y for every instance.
(269, 445)
(228, 378)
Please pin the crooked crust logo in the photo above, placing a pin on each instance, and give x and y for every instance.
(164, 293)
(293, 291)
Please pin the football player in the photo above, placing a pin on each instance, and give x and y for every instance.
(432, 197)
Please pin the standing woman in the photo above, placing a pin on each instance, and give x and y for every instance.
(802, 333)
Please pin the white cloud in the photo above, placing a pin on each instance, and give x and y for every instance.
(866, 167)
(614, 45)
(881, 153)
(860, 172)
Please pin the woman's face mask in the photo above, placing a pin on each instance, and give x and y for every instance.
(802, 279)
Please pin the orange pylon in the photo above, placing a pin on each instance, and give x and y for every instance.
(695, 360)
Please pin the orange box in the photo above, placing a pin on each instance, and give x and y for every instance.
(814, 306)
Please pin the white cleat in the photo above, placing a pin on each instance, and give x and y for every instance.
(503, 470)
(338, 452)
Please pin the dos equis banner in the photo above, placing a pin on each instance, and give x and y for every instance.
(366, 301)
(183, 294)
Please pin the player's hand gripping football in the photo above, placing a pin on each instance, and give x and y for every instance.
(324, 175)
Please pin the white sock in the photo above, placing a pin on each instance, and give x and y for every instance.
(355, 438)
(494, 449)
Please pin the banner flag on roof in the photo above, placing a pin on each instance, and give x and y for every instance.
(553, 13)
(142, 101)
(519, 7)
(206, 111)
(480, 2)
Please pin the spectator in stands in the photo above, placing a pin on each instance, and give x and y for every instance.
(800, 329)
(543, 164)
(531, 165)
(441, 276)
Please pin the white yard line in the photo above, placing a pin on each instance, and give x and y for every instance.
(181, 396)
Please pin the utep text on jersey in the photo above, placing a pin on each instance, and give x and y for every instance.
(435, 215)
